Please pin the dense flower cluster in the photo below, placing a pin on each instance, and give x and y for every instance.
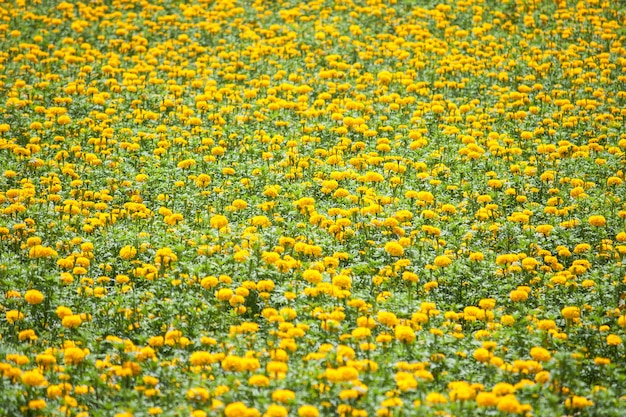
(317, 208)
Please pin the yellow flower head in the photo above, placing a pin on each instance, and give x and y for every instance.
(33, 297)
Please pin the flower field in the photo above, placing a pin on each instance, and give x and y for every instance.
(318, 208)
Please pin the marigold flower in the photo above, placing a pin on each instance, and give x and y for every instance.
(312, 276)
(434, 398)
(14, 315)
(613, 340)
(33, 297)
(486, 399)
(518, 295)
(275, 410)
(239, 204)
(34, 378)
(237, 409)
(540, 354)
(476, 256)
(578, 402)
(404, 334)
(224, 294)
(72, 321)
(200, 358)
(28, 334)
(283, 396)
(342, 281)
(308, 411)
(597, 221)
(128, 252)
(259, 380)
(571, 313)
(394, 249)
(38, 404)
(198, 394)
(509, 404)
(442, 261)
(218, 221)
(73, 355)
(387, 318)
(481, 355)
(601, 361)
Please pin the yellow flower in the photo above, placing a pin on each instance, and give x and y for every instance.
(404, 334)
(601, 361)
(544, 229)
(261, 221)
(597, 221)
(312, 276)
(308, 411)
(128, 252)
(581, 248)
(64, 119)
(435, 398)
(73, 355)
(72, 321)
(218, 221)
(37, 404)
(275, 410)
(486, 399)
(571, 313)
(342, 281)
(578, 402)
(33, 297)
(542, 377)
(410, 276)
(13, 316)
(45, 359)
(34, 378)
(237, 409)
(241, 255)
(224, 294)
(476, 256)
(461, 391)
(518, 295)
(209, 282)
(394, 249)
(164, 257)
(613, 340)
(198, 394)
(487, 303)
(540, 354)
(509, 404)
(39, 251)
(200, 358)
(442, 261)
(437, 109)
(373, 177)
(481, 355)
(63, 312)
(270, 257)
(387, 318)
(283, 396)
(239, 204)
(28, 334)
(259, 381)
(186, 163)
